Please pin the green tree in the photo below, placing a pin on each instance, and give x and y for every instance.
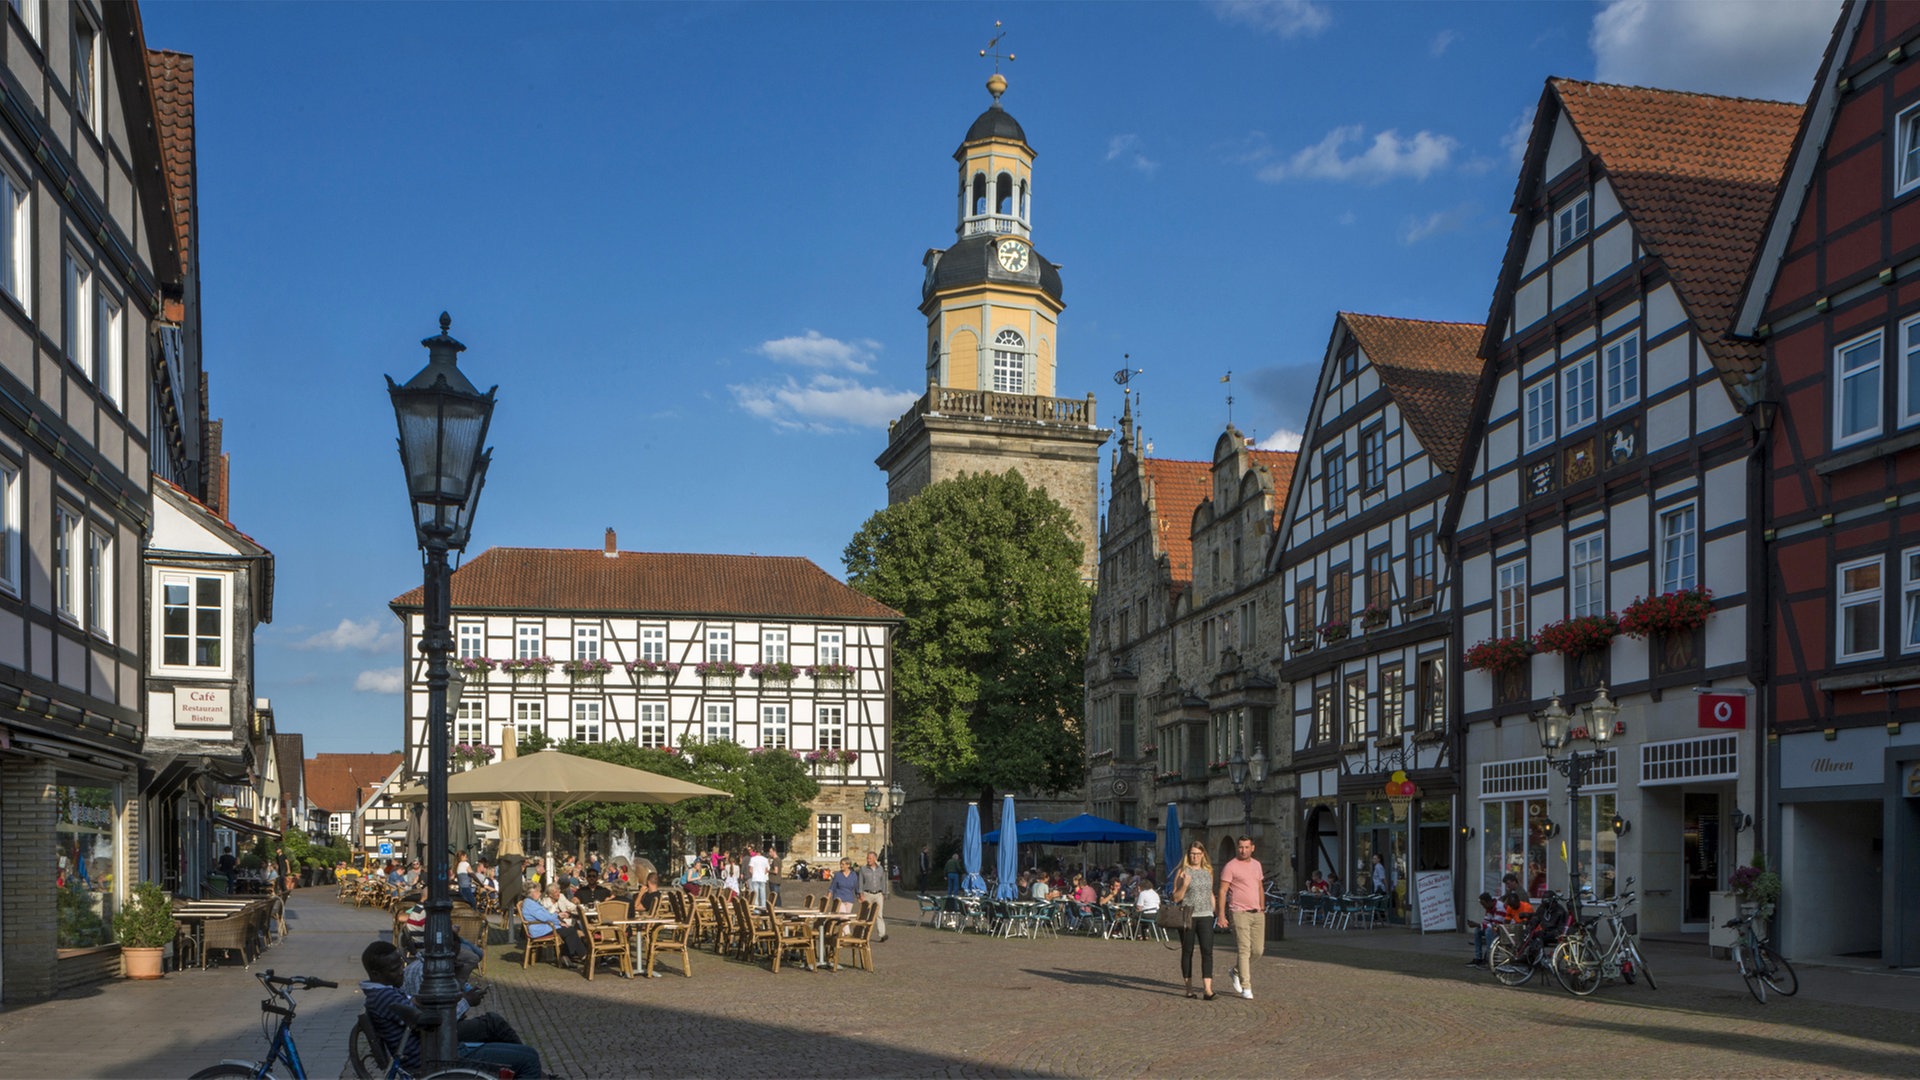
(988, 675)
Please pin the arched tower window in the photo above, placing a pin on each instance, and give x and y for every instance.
(979, 193)
(1003, 195)
(1023, 201)
(1009, 362)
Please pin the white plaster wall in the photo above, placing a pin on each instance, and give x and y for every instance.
(1503, 494)
(1667, 424)
(1546, 555)
(1612, 251)
(1715, 404)
(1533, 367)
(1668, 364)
(1606, 205)
(1627, 528)
(1530, 303)
(1563, 147)
(1570, 276)
(1611, 324)
(1663, 311)
(1725, 489)
(1576, 343)
(1536, 249)
(1727, 633)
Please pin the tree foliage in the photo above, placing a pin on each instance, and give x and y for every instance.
(771, 790)
(988, 673)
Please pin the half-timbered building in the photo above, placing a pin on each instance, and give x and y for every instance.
(1836, 297)
(1609, 472)
(666, 649)
(1362, 570)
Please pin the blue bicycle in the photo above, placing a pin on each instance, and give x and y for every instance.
(281, 1049)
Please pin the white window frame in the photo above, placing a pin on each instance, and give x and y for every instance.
(470, 640)
(529, 716)
(86, 87)
(775, 729)
(1843, 380)
(830, 647)
(1009, 362)
(529, 639)
(1679, 547)
(10, 527)
(1510, 599)
(109, 348)
(773, 646)
(29, 12)
(98, 590)
(1572, 222)
(16, 233)
(652, 731)
(586, 642)
(77, 299)
(1333, 471)
(718, 722)
(828, 842)
(191, 580)
(719, 645)
(1846, 600)
(653, 644)
(68, 583)
(1538, 413)
(586, 721)
(1906, 155)
(1579, 393)
(830, 727)
(1910, 600)
(470, 722)
(1908, 377)
(1622, 372)
(1587, 574)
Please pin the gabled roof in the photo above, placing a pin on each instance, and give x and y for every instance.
(653, 583)
(340, 783)
(1696, 175)
(1431, 370)
(289, 756)
(171, 75)
(211, 519)
(1175, 489)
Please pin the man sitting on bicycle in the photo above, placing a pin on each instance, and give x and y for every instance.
(396, 1019)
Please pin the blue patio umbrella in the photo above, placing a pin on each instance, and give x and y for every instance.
(1007, 865)
(1172, 851)
(971, 883)
(1031, 830)
(1089, 829)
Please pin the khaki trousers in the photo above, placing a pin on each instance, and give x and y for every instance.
(1250, 938)
(879, 913)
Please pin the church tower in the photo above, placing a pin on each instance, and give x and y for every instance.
(992, 304)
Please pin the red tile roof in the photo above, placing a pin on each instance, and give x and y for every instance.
(171, 74)
(339, 783)
(1696, 174)
(1175, 489)
(648, 582)
(1432, 370)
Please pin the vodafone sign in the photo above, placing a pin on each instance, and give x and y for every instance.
(1723, 712)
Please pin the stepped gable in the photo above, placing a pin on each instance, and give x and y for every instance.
(1176, 489)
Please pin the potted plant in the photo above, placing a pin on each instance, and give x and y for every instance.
(144, 927)
(1498, 655)
(1335, 630)
(1755, 886)
(1578, 636)
(1669, 613)
(1373, 615)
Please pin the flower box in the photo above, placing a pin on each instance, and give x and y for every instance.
(1679, 612)
(778, 671)
(840, 673)
(587, 670)
(841, 760)
(1373, 615)
(1578, 636)
(652, 671)
(1334, 630)
(1498, 655)
(721, 672)
(474, 669)
(528, 668)
(471, 755)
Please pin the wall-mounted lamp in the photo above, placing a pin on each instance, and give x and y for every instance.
(1741, 821)
(1466, 832)
(1621, 826)
(1550, 827)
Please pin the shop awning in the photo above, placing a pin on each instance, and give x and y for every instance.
(237, 825)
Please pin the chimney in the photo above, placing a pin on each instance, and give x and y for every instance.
(613, 546)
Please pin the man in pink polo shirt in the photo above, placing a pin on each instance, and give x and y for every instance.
(1242, 899)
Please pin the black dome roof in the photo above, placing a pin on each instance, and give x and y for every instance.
(973, 261)
(995, 123)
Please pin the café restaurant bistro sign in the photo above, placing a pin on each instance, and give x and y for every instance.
(202, 706)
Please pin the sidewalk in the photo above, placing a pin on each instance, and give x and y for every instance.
(192, 1019)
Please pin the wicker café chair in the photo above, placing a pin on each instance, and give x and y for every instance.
(231, 933)
(604, 939)
(792, 935)
(674, 937)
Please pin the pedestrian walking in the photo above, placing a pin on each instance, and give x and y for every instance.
(1193, 886)
(953, 874)
(758, 867)
(1241, 899)
(873, 888)
(926, 866)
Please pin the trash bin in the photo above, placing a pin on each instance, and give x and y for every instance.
(1276, 926)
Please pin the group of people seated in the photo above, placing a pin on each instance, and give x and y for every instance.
(561, 910)
(1083, 895)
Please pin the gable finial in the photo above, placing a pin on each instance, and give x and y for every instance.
(997, 83)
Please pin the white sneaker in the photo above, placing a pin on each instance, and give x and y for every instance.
(1235, 976)
(1248, 994)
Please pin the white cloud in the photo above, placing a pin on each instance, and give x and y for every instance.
(1749, 48)
(350, 636)
(1514, 142)
(1436, 223)
(1347, 217)
(824, 403)
(1281, 440)
(1387, 157)
(1126, 148)
(383, 681)
(1281, 18)
(1441, 41)
(815, 350)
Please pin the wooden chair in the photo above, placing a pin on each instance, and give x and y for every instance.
(758, 934)
(472, 927)
(605, 939)
(792, 935)
(855, 936)
(673, 937)
(537, 944)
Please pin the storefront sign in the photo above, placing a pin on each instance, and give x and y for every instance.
(1853, 756)
(202, 706)
(1723, 712)
(1433, 893)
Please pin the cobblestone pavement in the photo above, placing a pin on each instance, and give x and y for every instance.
(1361, 1003)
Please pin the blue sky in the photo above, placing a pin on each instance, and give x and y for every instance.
(685, 241)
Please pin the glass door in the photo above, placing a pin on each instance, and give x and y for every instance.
(1700, 847)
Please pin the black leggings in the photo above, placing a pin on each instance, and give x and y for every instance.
(1202, 932)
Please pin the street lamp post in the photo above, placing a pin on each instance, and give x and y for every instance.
(443, 431)
(1555, 734)
(886, 803)
(1248, 778)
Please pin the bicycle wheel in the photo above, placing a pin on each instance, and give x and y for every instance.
(1576, 965)
(1776, 972)
(462, 1073)
(1506, 958)
(365, 1060)
(1639, 965)
(1750, 971)
(232, 1072)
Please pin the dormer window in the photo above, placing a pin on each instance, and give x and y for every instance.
(1570, 222)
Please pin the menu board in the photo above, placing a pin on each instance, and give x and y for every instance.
(1433, 892)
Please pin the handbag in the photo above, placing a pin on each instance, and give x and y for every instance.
(1174, 917)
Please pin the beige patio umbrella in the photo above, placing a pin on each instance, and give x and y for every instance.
(554, 781)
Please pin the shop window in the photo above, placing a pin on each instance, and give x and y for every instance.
(1599, 847)
(1513, 838)
(85, 860)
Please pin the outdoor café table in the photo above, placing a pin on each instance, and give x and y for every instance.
(641, 936)
(1027, 915)
(193, 915)
(1121, 920)
(820, 919)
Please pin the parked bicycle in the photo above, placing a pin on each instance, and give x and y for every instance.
(1601, 948)
(1518, 949)
(281, 1049)
(1758, 963)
